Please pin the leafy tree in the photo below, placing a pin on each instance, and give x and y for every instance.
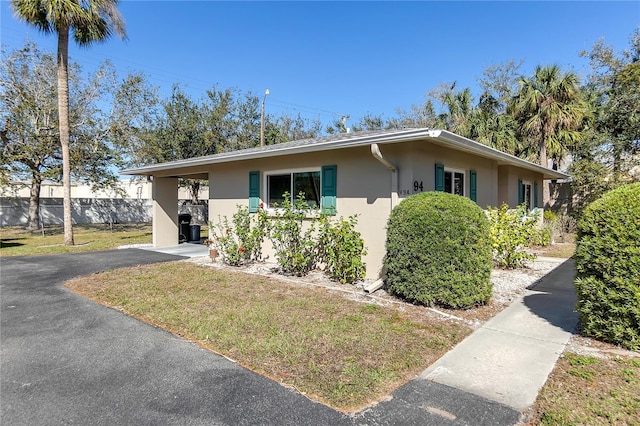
(286, 128)
(88, 22)
(338, 125)
(417, 116)
(29, 148)
(615, 82)
(181, 127)
(30, 151)
(369, 123)
(459, 112)
(550, 110)
(134, 117)
(493, 125)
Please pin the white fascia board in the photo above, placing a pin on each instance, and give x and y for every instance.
(472, 146)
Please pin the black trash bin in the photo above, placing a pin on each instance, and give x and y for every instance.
(184, 222)
(195, 233)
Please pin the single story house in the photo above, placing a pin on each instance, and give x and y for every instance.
(364, 174)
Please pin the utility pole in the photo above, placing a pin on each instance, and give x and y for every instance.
(266, 93)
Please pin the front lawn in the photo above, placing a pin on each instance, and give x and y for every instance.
(346, 353)
(16, 241)
(589, 390)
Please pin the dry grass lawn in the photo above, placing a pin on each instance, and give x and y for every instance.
(346, 353)
(15, 241)
(589, 390)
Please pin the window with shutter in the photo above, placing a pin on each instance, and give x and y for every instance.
(254, 191)
(329, 189)
(439, 177)
(473, 186)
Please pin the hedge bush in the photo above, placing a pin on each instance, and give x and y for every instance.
(439, 251)
(608, 267)
(512, 231)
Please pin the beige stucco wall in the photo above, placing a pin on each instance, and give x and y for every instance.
(508, 177)
(363, 184)
(165, 212)
(363, 188)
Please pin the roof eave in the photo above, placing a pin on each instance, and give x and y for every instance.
(445, 136)
(470, 145)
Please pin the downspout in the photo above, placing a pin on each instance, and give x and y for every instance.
(375, 151)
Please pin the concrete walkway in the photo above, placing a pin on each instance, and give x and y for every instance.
(509, 359)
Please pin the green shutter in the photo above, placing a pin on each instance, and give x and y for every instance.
(535, 195)
(329, 185)
(473, 185)
(520, 192)
(254, 191)
(439, 177)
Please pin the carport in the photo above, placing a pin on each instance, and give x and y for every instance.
(164, 178)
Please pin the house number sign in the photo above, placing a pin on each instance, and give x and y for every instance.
(417, 186)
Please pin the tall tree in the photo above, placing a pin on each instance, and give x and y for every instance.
(286, 128)
(88, 21)
(29, 146)
(417, 116)
(550, 109)
(615, 80)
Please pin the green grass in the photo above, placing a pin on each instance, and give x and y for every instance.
(15, 241)
(584, 390)
(342, 352)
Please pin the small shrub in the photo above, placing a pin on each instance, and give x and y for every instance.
(549, 216)
(239, 241)
(439, 251)
(511, 234)
(341, 249)
(541, 236)
(608, 267)
(292, 232)
(565, 226)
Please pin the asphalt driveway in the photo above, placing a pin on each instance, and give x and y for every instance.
(67, 360)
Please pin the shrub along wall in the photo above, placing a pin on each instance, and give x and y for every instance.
(439, 251)
(608, 267)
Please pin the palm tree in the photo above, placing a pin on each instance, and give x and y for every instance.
(89, 22)
(550, 109)
(460, 112)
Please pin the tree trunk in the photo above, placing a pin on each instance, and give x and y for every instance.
(63, 116)
(34, 203)
(194, 189)
(546, 196)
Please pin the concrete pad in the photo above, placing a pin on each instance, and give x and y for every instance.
(186, 250)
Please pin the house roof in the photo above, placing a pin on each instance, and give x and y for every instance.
(194, 167)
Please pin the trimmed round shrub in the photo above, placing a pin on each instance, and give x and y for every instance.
(439, 251)
(608, 267)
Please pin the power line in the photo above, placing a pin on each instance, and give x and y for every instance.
(159, 77)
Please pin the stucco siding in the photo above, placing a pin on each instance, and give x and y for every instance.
(364, 184)
(508, 184)
(363, 189)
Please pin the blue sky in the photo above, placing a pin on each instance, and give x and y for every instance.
(325, 59)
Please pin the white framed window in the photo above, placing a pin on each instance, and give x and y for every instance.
(454, 181)
(527, 195)
(294, 182)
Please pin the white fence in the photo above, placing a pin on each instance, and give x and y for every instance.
(14, 211)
